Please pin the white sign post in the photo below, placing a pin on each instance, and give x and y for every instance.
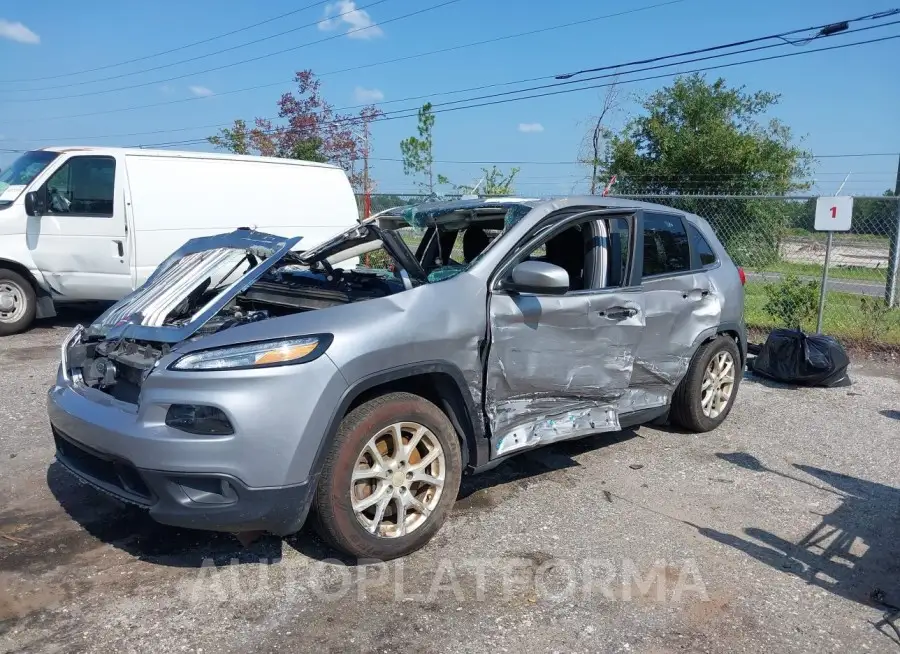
(833, 214)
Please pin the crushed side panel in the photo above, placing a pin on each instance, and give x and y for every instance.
(556, 367)
(678, 314)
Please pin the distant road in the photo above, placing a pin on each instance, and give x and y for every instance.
(856, 286)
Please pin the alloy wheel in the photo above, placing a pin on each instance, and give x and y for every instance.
(397, 480)
(718, 384)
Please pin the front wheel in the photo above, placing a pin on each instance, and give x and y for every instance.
(705, 396)
(390, 479)
(18, 302)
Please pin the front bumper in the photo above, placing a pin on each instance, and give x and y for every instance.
(258, 478)
(210, 501)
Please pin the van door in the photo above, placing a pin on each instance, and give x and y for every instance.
(80, 242)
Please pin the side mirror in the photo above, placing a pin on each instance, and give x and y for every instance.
(538, 277)
(34, 204)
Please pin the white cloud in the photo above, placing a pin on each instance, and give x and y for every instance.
(359, 24)
(367, 95)
(201, 91)
(530, 127)
(17, 32)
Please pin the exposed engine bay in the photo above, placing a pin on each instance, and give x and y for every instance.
(201, 291)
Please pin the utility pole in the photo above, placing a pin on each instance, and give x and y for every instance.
(366, 190)
(892, 288)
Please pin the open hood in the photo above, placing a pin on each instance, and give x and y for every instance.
(195, 283)
(229, 263)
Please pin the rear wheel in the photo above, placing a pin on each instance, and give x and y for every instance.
(17, 302)
(390, 479)
(705, 396)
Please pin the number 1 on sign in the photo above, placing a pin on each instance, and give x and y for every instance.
(833, 213)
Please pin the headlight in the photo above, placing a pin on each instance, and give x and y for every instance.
(256, 355)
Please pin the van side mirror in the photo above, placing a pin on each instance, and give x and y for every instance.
(34, 204)
(538, 277)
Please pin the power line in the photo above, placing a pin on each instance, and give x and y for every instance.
(735, 44)
(243, 61)
(364, 66)
(395, 115)
(169, 51)
(207, 55)
(487, 86)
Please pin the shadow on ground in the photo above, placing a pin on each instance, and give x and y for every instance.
(130, 529)
(854, 551)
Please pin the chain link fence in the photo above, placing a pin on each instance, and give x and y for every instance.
(773, 239)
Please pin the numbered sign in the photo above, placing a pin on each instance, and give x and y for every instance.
(833, 214)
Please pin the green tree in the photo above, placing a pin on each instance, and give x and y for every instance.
(699, 137)
(418, 152)
(491, 182)
(704, 138)
(236, 139)
(496, 182)
(308, 128)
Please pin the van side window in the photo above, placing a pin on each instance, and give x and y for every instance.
(704, 252)
(83, 186)
(666, 249)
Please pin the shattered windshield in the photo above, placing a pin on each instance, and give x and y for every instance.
(457, 234)
(431, 242)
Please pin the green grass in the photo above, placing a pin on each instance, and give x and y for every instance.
(843, 318)
(840, 237)
(815, 270)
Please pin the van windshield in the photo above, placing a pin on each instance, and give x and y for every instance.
(21, 173)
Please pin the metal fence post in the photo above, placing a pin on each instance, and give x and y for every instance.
(891, 291)
(824, 288)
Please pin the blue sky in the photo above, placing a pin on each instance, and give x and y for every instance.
(843, 101)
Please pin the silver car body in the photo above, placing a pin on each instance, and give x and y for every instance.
(513, 370)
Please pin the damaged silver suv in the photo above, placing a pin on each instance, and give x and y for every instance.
(249, 380)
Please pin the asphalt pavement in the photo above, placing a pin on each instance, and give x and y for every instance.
(779, 532)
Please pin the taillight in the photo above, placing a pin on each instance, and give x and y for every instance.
(742, 276)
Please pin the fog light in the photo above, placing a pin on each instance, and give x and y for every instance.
(202, 420)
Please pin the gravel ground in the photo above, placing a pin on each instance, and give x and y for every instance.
(773, 533)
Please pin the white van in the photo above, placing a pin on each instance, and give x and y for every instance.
(86, 224)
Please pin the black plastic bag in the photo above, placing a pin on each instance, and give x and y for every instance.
(792, 357)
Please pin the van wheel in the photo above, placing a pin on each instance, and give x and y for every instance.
(390, 479)
(705, 396)
(17, 302)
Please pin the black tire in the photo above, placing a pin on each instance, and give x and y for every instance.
(18, 320)
(336, 520)
(687, 409)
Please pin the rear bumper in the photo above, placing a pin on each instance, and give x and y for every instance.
(215, 502)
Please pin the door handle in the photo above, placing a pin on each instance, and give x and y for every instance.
(120, 248)
(618, 313)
